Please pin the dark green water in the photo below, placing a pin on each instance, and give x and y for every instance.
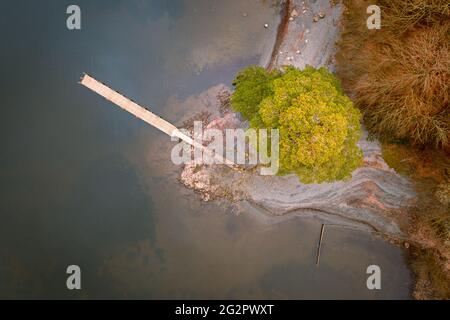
(79, 184)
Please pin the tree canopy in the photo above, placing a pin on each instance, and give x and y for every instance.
(318, 124)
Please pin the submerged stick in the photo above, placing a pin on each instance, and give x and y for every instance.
(320, 245)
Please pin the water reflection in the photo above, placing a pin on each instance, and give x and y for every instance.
(80, 182)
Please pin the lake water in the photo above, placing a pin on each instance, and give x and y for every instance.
(80, 183)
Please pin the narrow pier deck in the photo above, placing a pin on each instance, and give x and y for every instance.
(147, 116)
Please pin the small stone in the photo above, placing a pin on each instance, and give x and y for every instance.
(306, 41)
(297, 52)
(307, 31)
(315, 18)
(321, 15)
(406, 245)
(244, 14)
(291, 19)
(266, 25)
(281, 52)
(294, 13)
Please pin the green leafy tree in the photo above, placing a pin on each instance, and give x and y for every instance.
(319, 127)
(252, 84)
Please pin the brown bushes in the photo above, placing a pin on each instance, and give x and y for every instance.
(401, 15)
(400, 75)
(406, 91)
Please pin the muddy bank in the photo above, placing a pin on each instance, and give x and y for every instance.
(375, 198)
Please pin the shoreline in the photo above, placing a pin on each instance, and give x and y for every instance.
(420, 241)
(425, 165)
(375, 197)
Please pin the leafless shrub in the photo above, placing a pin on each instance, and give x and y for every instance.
(224, 98)
(402, 15)
(203, 116)
(405, 90)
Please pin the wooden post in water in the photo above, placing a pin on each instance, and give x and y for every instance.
(319, 247)
(147, 116)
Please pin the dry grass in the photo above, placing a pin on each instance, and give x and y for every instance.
(400, 75)
(402, 15)
(429, 170)
(405, 92)
(432, 282)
